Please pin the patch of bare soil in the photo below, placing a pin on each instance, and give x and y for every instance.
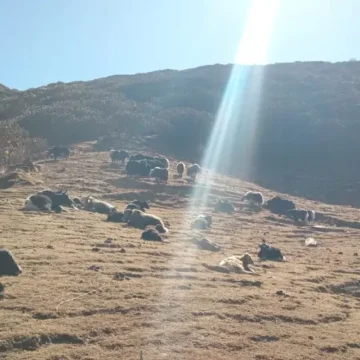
(82, 297)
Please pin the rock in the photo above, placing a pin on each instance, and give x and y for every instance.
(8, 264)
(94, 267)
(121, 276)
(281, 293)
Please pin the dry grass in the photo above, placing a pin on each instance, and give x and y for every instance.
(168, 304)
(18, 177)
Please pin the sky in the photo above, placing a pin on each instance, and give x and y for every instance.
(45, 41)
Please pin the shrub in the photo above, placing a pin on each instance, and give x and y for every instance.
(16, 145)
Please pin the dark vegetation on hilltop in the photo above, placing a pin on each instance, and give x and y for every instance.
(308, 119)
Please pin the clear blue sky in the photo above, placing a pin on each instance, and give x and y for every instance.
(44, 41)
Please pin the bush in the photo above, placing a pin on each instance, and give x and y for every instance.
(16, 145)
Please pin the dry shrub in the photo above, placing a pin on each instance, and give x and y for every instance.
(16, 145)
(27, 166)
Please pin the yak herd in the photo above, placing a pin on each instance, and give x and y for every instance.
(150, 166)
(135, 213)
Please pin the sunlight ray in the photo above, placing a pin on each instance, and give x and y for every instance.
(230, 116)
(233, 114)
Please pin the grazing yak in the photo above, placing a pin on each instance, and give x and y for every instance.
(58, 198)
(118, 155)
(127, 214)
(152, 234)
(298, 215)
(161, 229)
(193, 171)
(159, 162)
(238, 264)
(253, 198)
(79, 202)
(57, 151)
(160, 174)
(140, 157)
(164, 162)
(208, 218)
(138, 168)
(48, 200)
(38, 202)
(301, 215)
(142, 203)
(224, 206)
(115, 216)
(141, 220)
(279, 205)
(98, 206)
(138, 204)
(202, 222)
(153, 161)
(180, 169)
(268, 252)
(8, 264)
(132, 206)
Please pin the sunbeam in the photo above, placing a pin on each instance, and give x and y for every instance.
(231, 119)
(233, 116)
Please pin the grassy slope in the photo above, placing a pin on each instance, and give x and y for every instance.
(172, 307)
(308, 119)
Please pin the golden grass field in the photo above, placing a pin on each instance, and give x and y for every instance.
(166, 303)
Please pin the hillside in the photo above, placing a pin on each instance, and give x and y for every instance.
(307, 119)
(6, 92)
(159, 298)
